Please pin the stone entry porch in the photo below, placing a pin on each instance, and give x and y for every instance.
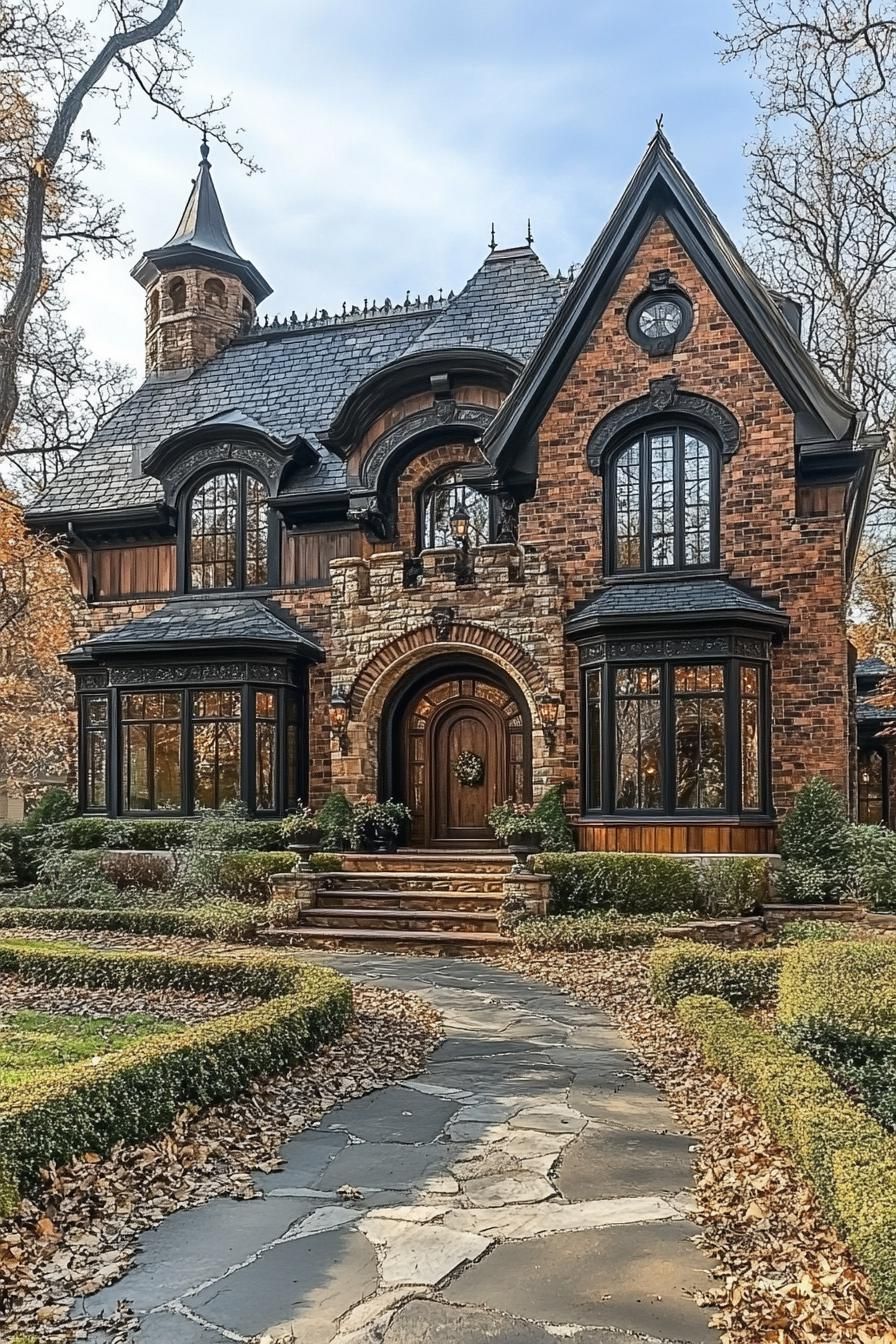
(424, 901)
(527, 1186)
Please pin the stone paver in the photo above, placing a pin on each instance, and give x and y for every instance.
(528, 1185)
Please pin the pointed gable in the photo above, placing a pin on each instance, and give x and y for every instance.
(660, 188)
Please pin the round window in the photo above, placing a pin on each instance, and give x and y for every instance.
(658, 321)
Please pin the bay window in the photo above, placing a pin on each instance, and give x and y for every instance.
(675, 736)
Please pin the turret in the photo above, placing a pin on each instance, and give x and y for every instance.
(200, 293)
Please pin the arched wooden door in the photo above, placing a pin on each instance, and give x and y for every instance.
(460, 722)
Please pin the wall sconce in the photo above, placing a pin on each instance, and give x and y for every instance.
(459, 522)
(339, 714)
(548, 709)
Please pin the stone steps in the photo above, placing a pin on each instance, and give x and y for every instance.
(430, 861)
(401, 899)
(385, 940)
(389, 917)
(474, 884)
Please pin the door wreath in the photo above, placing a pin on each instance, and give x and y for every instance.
(469, 768)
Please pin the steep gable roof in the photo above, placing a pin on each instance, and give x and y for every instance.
(661, 187)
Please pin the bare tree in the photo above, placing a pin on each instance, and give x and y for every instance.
(50, 68)
(821, 203)
(64, 394)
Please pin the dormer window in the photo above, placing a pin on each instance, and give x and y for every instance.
(228, 532)
(663, 502)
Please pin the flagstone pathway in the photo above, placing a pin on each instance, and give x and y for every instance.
(528, 1186)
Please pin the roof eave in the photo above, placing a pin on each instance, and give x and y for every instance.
(160, 259)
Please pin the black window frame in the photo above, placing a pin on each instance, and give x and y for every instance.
(185, 533)
(291, 770)
(865, 749)
(438, 480)
(641, 437)
(732, 661)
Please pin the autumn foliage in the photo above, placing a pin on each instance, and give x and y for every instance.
(36, 612)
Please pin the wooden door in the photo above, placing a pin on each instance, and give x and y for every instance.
(458, 811)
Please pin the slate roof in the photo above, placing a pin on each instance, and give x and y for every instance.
(872, 667)
(205, 619)
(870, 672)
(293, 383)
(652, 601)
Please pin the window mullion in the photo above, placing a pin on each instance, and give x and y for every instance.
(678, 500)
(239, 532)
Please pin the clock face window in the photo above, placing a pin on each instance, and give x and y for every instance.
(658, 321)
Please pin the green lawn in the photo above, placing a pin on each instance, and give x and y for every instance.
(31, 1041)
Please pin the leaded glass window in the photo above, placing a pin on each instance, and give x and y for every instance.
(678, 736)
(872, 799)
(662, 503)
(228, 522)
(95, 735)
(638, 739)
(151, 751)
(699, 695)
(265, 751)
(215, 721)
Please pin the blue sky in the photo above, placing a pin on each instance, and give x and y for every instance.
(392, 134)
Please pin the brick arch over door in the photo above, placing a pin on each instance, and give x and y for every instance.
(375, 681)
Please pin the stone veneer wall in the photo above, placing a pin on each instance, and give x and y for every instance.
(187, 339)
(381, 630)
(765, 541)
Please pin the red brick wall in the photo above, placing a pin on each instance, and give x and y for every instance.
(763, 541)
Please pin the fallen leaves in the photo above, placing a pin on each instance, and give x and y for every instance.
(784, 1276)
(80, 1234)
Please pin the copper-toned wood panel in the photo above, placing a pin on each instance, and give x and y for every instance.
(307, 555)
(125, 571)
(666, 838)
(78, 565)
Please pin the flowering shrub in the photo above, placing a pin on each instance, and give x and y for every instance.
(509, 820)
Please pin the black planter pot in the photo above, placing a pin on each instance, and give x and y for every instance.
(304, 848)
(522, 847)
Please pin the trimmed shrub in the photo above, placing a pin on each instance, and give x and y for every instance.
(553, 824)
(72, 878)
(149, 869)
(744, 978)
(157, 833)
(872, 861)
(798, 931)
(336, 820)
(580, 933)
(21, 849)
(54, 805)
(229, 875)
(226, 920)
(814, 840)
(631, 884)
(135, 1093)
(732, 886)
(842, 1150)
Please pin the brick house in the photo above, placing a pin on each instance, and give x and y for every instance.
(596, 531)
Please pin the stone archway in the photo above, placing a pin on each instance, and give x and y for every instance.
(444, 715)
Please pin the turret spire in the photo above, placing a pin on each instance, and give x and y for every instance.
(202, 238)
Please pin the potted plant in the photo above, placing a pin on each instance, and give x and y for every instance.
(302, 833)
(336, 821)
(377, 826)
(519, 827)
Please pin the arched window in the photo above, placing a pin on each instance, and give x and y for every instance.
(440, 498)
(154, 308)
(663, 502)
(177, 293)
(214, 293)
(228, 526)
(247, 315)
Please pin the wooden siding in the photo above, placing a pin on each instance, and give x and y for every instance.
(128, 571)
(686, 838)
(307, 555)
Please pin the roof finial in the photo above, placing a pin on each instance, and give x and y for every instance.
(659, 124)
(529, 237)
(492, 245)
(203, 148)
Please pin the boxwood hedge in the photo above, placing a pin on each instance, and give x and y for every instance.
(843, 1151)
(135, 1093)
(224, 919)
(744, 978)
(838, 1004)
